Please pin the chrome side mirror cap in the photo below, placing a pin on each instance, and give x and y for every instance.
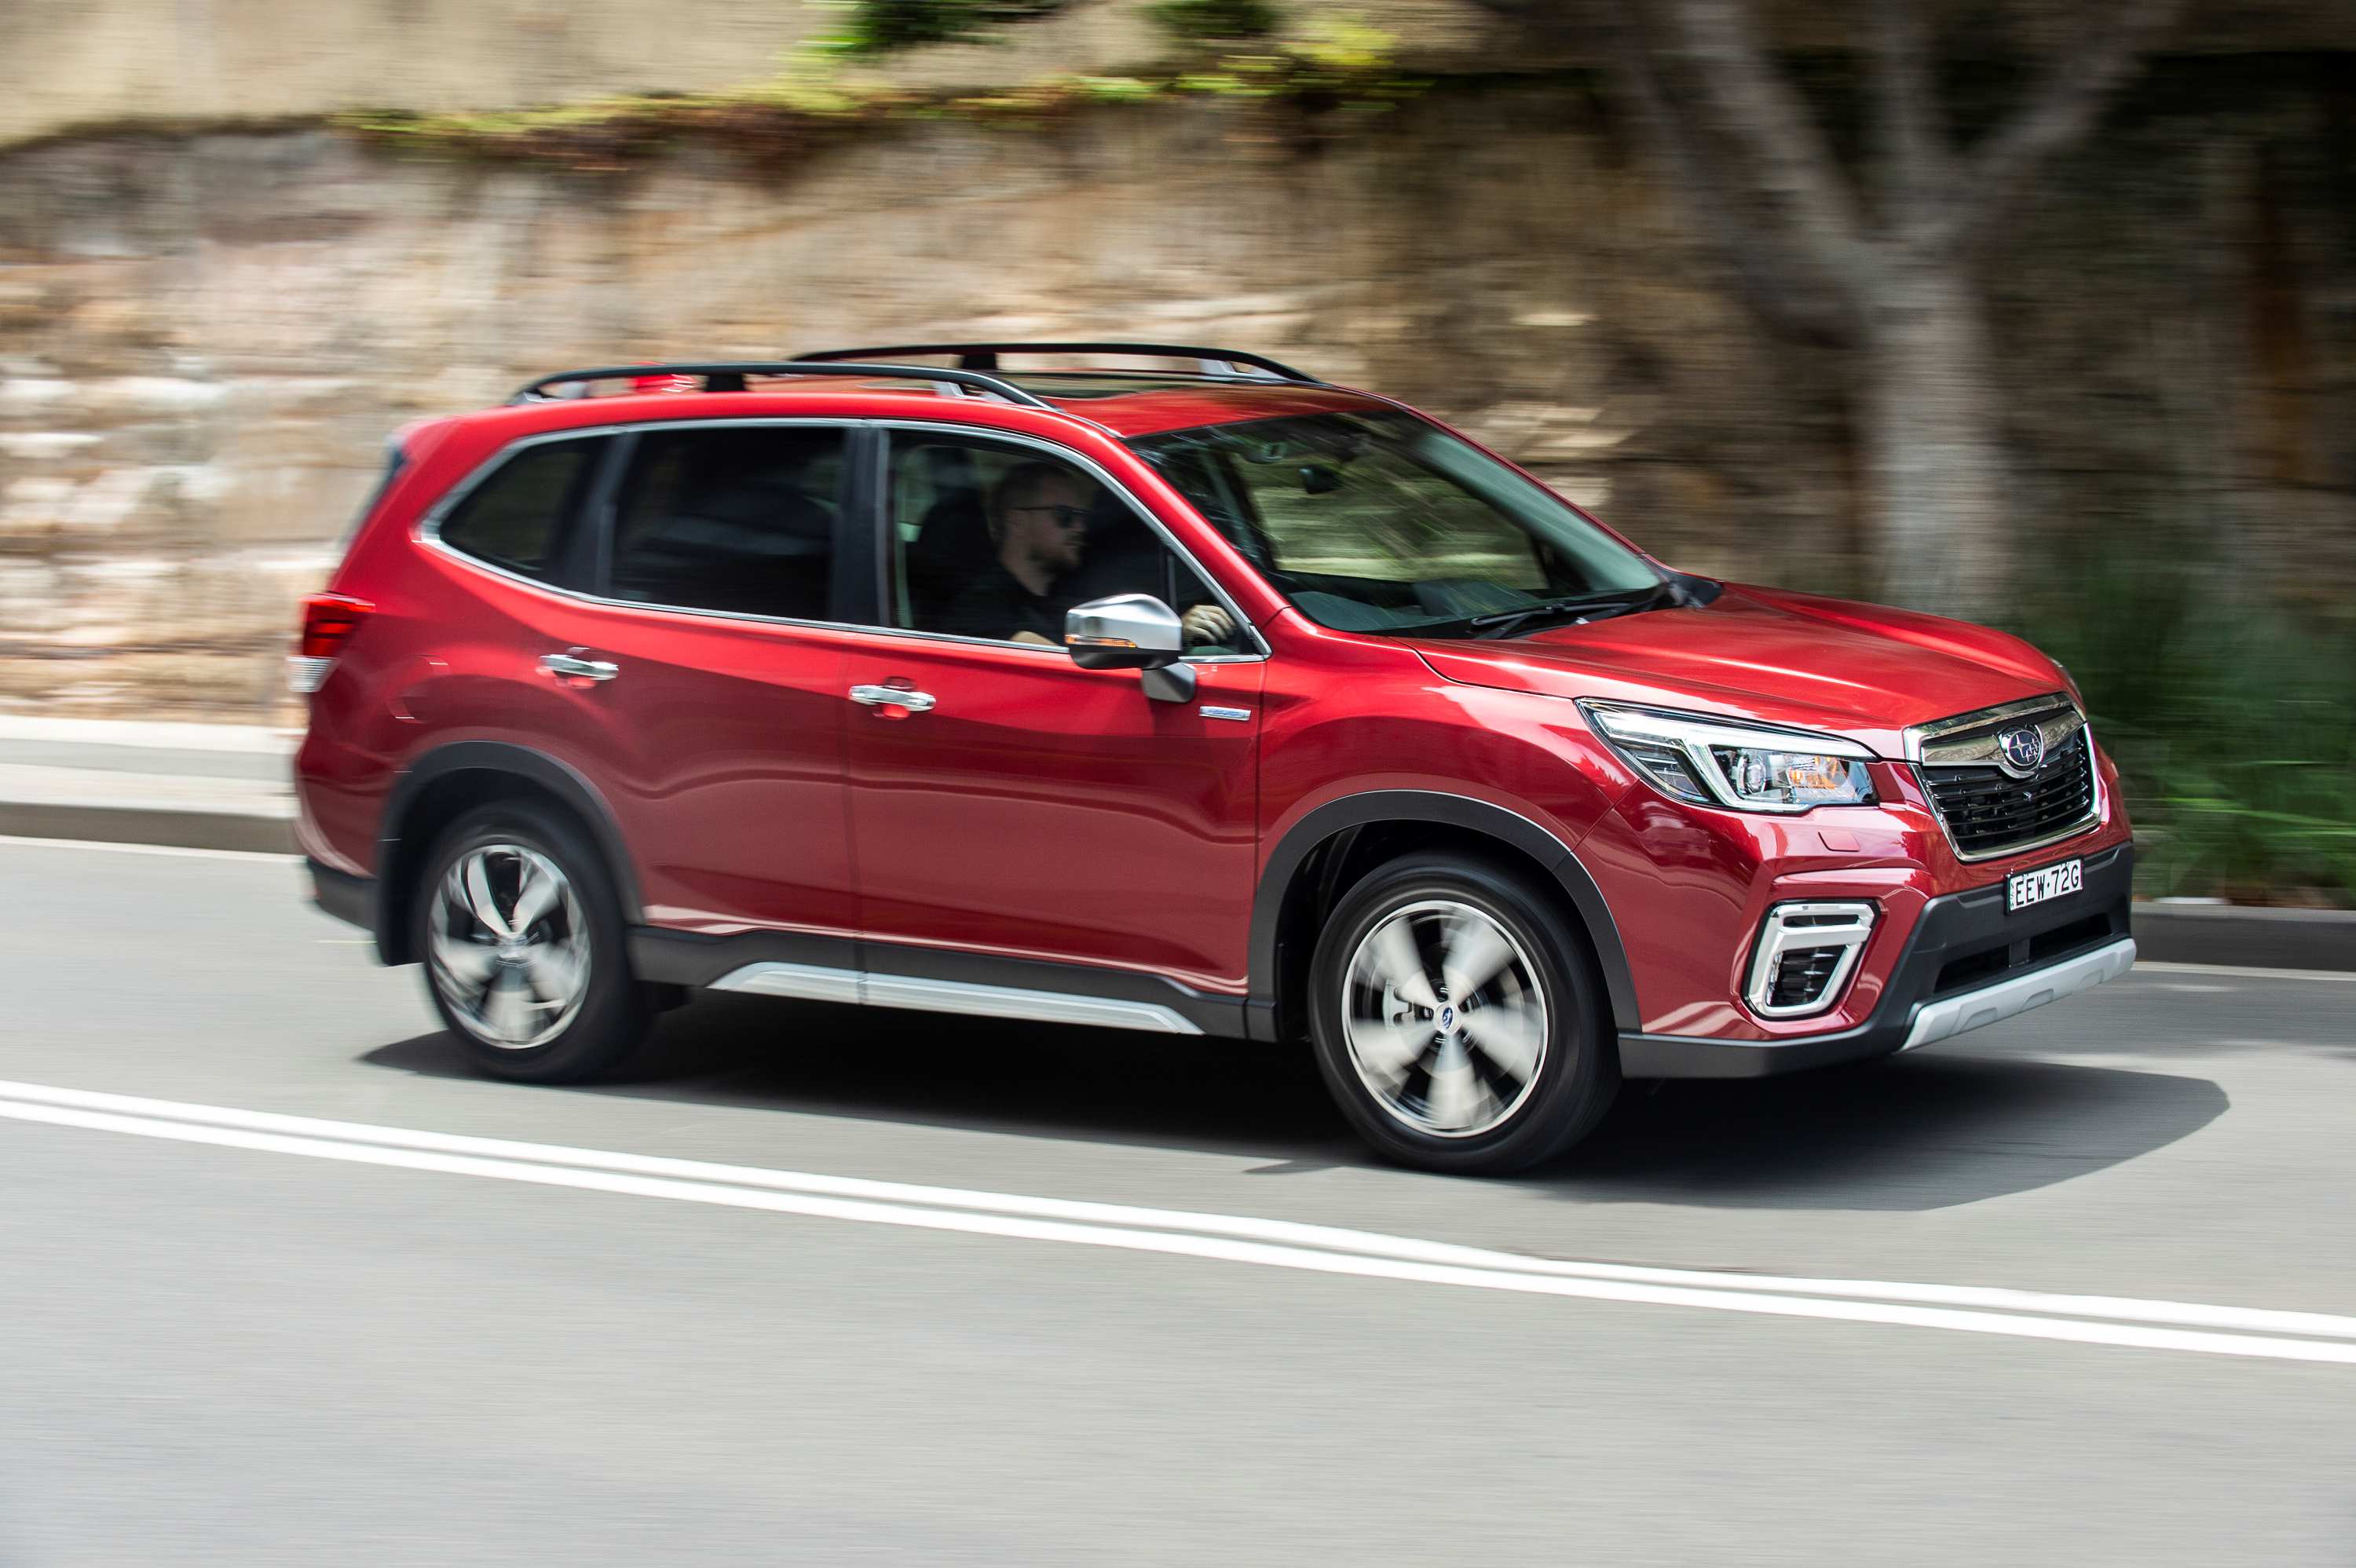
(1133, 631)
(1127, 631)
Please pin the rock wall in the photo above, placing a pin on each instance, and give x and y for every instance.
(204, 339)
(82, 62)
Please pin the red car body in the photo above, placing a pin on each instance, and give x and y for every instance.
(1043, 821)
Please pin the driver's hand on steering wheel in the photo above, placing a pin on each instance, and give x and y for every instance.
(1206, 623)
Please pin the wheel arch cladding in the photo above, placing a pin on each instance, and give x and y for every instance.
(443, 785)
(1304, 873)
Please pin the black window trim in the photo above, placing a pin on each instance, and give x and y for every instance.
(596, 514)
(883, 523)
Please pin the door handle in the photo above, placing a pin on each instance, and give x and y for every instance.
(569, 663)
(893, 696)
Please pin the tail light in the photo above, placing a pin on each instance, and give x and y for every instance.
(329, 622)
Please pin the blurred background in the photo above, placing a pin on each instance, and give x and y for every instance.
(2020, 310)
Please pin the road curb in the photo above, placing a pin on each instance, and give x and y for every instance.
(2244, 937)
(182, 828)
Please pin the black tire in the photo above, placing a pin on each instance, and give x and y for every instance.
(614, 1010)
(1576, 1075)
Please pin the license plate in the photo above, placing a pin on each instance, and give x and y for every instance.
(2026, 888)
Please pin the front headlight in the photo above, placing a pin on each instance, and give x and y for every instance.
(1711, 762)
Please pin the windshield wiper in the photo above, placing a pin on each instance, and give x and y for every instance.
(1594, 607)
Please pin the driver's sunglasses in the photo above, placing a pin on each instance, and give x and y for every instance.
(1065, 516)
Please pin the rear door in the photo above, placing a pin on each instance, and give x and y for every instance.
(703, 676)
(1033, 809)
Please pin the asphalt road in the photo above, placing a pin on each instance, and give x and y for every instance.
(242, 1347)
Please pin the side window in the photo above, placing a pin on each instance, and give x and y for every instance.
(740, 520)
(516, 518)
(997, 541)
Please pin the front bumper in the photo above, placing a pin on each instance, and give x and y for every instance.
(1969, 964)
(343, 895)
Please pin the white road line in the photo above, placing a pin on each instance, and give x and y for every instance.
(1285, 1231)
(1224, 1238)
(11, 840)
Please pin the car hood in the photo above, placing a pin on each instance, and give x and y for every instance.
(1862, 670)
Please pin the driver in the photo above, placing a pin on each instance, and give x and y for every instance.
(1039, 519)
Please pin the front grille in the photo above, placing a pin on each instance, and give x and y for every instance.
(1987, 811)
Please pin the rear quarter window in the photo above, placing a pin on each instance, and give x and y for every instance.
(516, 517)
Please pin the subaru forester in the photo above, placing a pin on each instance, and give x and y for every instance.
(1206, 700)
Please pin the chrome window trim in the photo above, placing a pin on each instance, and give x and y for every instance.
(2061, 719)
(1098, 471)
(428, 528)
(1776, 938)
(428, 531)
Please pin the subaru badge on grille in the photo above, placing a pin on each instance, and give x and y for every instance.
(2020, 750)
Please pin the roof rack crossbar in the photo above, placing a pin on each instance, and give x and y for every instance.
(728, 376)
(983, 357)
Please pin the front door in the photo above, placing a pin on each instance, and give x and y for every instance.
(1032, 809)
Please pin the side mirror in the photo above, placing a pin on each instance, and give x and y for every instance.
(1127, 631)
(1133, 631)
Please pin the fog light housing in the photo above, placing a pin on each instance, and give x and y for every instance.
(1805, 956)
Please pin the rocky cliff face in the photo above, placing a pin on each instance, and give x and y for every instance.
(204, 339)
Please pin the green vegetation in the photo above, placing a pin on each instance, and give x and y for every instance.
(1338, 62)
(879, 27)
(2231, 717)
(771, 123)
(1217, 20)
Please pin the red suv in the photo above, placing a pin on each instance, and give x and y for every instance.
(1219, 701)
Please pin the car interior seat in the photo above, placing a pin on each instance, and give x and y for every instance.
(1123, 556)
(740, 533)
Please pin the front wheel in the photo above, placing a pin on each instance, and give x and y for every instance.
(522, 940)
(1457, 1017)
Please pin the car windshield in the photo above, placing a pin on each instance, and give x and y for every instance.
(1381, 522)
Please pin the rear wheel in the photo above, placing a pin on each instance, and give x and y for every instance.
(523, 941)
(1458, 1019)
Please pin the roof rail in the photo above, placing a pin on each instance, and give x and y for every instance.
(983, 357)
(728, 376)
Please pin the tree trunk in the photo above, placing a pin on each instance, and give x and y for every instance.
(1933, 454)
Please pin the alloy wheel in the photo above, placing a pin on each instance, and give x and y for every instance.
(1444, 1018)
(508, 946)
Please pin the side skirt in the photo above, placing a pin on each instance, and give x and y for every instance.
(838, 969)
